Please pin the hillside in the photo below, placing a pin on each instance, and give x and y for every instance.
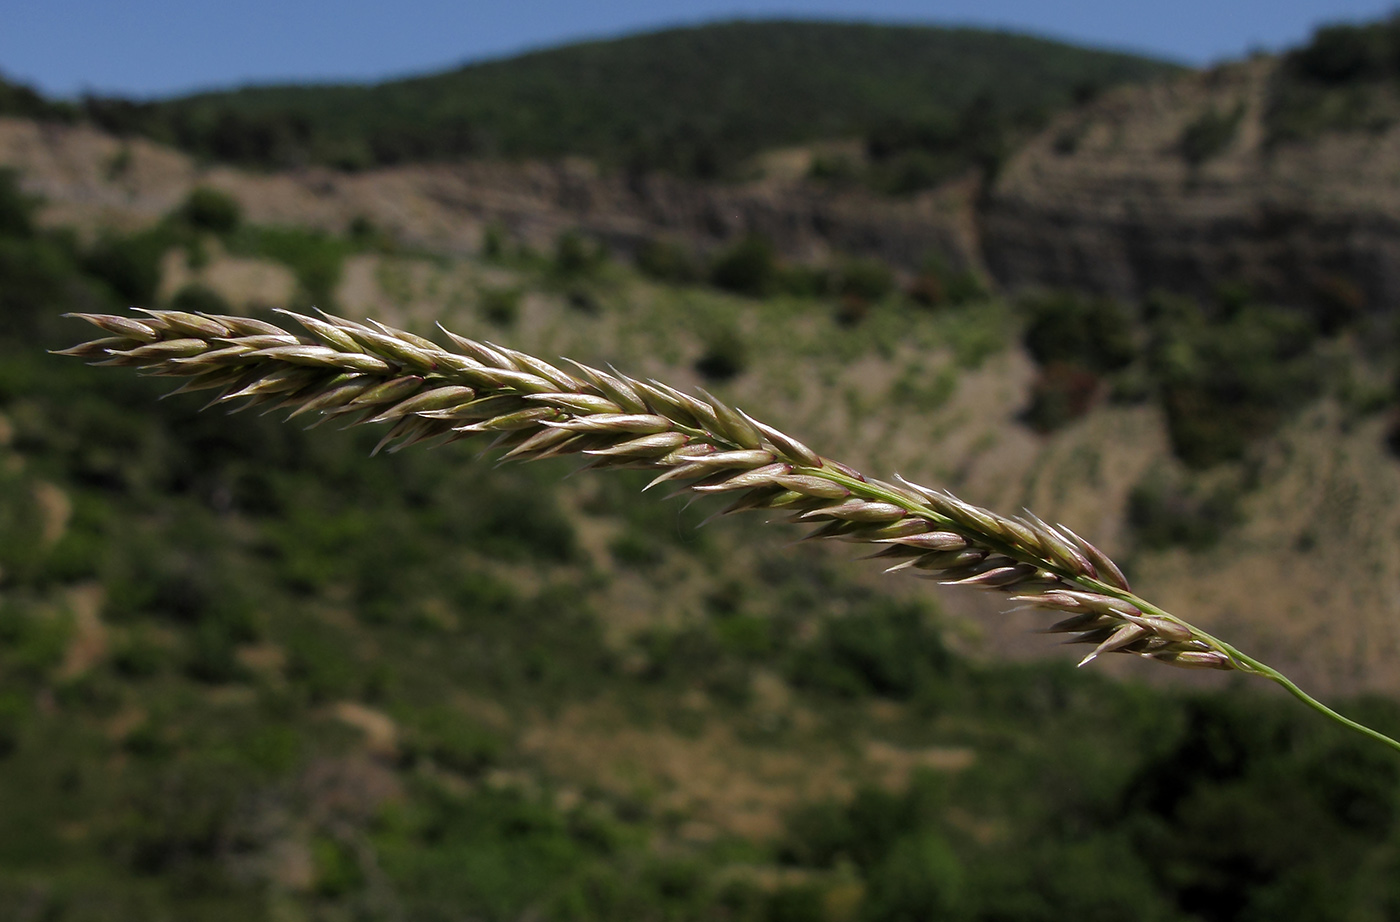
(250, 671)
(1276, 176)
(694, 101)
(1311, 381)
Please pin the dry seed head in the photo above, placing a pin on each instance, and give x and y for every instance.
(875, 533)
(758, 477)
(393, 349)
(537, 410)
(786, 445)
(249, 326)
(617, 390)
(439, 398)
(930, 540)
(859, 510)
(510, 422)
(125, 327)
(261, 341)
(337, 396)
(747, 458)
(582, 403)
(688, 452)
(190, 324)
(1121, 637)
(817, 487)
(645, 423)
(662, 443)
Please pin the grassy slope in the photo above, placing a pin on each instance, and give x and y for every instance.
(696, 100)
(247, 671)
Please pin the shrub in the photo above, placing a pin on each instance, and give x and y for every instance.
(834, 169)
(1337, 82)
(212, 210)
(1061, 393)
(726, 355)
(1166, 512)
(851, 310)
(795, 903)
(16, 208)
(493, 242)
(501, 306)
(937, 284)
(805, 281)
(13, 711)
(1344, 53)
(1094, 334)
(964, 287)
(636, 550)
(576, 255)
(921, 878)
(927, 290)
(1245, 758)
(583, 301)
(748, 267)
(1230, 376)
(867, 279)
(139, 656)
(130, 265)
(1209, 134)
(888, 649)
(315, 257)
(1075, 341)
(915, 170)
(667, 261)
(453, 741)
(1338, 301)
(364, 234)
(213, 654)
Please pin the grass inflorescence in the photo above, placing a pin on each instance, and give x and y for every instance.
(533, 409)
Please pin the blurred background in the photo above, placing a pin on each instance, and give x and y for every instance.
(1135, 270)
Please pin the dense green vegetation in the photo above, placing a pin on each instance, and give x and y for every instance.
(1209, 134)
(1344, 79)
(694, 101)
(21, 101)
(251, 582)
(1226, 372)
(1076, 341)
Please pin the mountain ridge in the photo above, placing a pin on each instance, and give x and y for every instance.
(694, 101)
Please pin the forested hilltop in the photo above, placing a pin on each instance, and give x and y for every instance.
(693, 101)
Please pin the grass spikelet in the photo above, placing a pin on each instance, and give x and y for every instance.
(536, 410)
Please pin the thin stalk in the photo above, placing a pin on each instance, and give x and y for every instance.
(1243, 661)
(1273, 674)
(534, 409)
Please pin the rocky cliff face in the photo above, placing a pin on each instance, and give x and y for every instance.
(1176, 186)
(1169, 186)
(90, 178)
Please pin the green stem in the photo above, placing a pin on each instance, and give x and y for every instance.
(1252, 666)
(1269, 672)
(1243, 662)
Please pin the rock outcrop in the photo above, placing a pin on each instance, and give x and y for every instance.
(92, 179)
(1113, 198)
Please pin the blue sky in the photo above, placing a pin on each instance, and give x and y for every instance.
(162, 47)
